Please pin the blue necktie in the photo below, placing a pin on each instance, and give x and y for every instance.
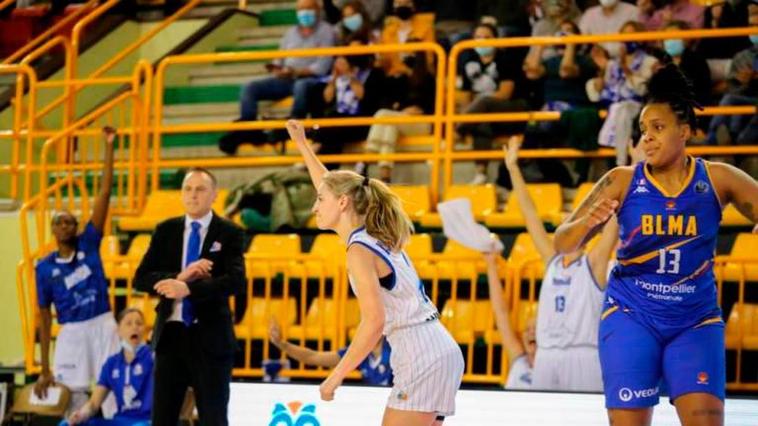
(193, 254)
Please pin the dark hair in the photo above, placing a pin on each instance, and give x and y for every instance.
(669, 86)
(489, 26)
(638, 27)
(126, 311)
(204, 171)
(364, 32)
(574, 27)
(59, 214)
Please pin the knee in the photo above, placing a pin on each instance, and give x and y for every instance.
(300, 88)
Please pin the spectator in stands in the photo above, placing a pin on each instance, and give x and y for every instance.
(563, 78)
(375, 369)
(353, 90)
(72, 279)
(553, 12)
(374, 10)
(520, 351)
(495, 83)
(355, 24)
(742, 83)
(404, 26)
(724, 15)
(654, 19)
(607, 18)
(510, 15)
(620, 86)
(570, 300)
(694, 66)
(289, 77)
(128, 374)
(407, 95)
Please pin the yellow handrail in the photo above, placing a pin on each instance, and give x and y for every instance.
(21, 70)
(68, 108)
(6, 3)
(52, 30)
(547, 41)
(436, 119)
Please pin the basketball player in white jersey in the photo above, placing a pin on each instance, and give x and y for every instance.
(520, 352)
(426, 361)
(570, 300)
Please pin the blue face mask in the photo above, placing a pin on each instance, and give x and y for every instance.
(754, 39)
(306, 18)
(485, 50)
(353, 22)
(673, 47)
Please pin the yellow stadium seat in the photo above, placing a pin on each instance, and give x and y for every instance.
(523, 249)
(547, 199)
(745, 246)
(466, 320)
(464, 262)
(131, 261)
(581, 193)
(147, 306)
(328, 254)
(524, 311)
(162, 205)
(732, 217)
(747, 318)
(483, 202)
(254, 324)
(415, 199)
(419, 249)
(110, 253)
(276, 246)
(320, 310)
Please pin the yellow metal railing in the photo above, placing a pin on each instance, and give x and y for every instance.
(452, 118)
(435, 119)
(24, 74)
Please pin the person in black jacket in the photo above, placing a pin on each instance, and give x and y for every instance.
(195, 264)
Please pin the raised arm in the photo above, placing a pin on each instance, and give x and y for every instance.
(100, 210)
(511, 342)
(360, 262)
(316, 169)
(601, 253)
(593, 212)
(533, 222)
(301, 354)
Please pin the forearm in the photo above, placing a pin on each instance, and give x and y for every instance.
(97, 398)
(368, 333)
(44, 339)
(329, 91)
(571, 235)
(298, 353)
(502, 313)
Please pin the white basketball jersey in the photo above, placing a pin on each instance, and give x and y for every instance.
(570, 305)
(520, 374)
(405, 301)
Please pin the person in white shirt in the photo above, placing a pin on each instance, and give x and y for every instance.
(607, 18)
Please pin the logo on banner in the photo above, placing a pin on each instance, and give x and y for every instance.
(294, 413)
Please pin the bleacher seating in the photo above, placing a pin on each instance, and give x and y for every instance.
(483, 203)
(548, 201)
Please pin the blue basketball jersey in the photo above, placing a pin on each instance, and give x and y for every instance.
(375, 370)
(78, 287)
(668, 241)
(131, 383)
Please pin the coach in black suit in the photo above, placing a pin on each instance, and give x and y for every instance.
(195, 264)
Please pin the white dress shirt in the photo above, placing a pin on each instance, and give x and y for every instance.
(205, 221)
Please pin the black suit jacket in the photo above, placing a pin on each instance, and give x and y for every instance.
(209, 297)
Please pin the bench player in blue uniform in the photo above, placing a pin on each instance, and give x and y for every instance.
(72, 279)
(661, 319)
(375, 369)
(127, 374)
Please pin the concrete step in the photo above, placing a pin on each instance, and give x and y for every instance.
(259, 41)
(224, 80)
(275, 31)
(229, 70)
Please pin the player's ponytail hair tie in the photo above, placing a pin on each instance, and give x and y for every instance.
(365, 181)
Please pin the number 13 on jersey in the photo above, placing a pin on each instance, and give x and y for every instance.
(668, 261)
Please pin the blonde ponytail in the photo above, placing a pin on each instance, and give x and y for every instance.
(385, 218)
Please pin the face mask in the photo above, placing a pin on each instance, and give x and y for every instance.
(125, 345)
(404, 12)
(306, 18)
(485, 50)
(608, 3)
(754, 39)
(673, 47)
(631, 46)
(353, 22)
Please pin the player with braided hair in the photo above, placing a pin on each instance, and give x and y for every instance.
(661, 319)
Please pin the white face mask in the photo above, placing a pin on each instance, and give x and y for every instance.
(127, 346)
(608, 3)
